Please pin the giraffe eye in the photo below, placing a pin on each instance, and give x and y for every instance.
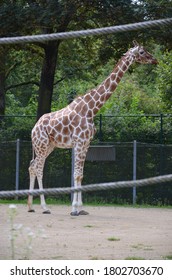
(141, 52)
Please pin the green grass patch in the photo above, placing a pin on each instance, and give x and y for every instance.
(169, 257)
(134, 258)
(94, 258)
(140, 246)
(49, 201)
(65, 200)
(113, 239)
(88, 226)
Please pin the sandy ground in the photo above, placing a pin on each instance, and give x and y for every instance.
(106, 233)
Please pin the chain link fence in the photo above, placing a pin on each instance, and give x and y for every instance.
(151, 160)
(149, 128)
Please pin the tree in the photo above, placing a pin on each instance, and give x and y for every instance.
(2, 81)
(164, 78)
(23, 17)
(57, 16)
(157, 9)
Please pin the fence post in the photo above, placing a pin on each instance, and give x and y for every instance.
(161, 129)
(72, 171)
(100, 129)
(17, 164)
(134, 169)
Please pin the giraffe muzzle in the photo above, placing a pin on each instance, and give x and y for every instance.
(154, 61)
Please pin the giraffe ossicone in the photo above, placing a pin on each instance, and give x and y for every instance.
(73, 127)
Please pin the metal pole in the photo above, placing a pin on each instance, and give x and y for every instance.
(17, 164)
(134, 169)
(72, 171)
(161, 129)
(100, 129)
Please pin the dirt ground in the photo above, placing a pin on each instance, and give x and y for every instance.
(106, 233)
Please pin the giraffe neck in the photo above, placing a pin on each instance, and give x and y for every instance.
(102, 93)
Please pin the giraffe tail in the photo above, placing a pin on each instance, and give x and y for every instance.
(33, 155)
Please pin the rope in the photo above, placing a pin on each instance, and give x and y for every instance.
(89, 188)
(88, 32)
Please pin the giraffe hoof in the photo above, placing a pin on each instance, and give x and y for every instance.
(82, 212)
(31, 211)
(46, 212)
(75, 213)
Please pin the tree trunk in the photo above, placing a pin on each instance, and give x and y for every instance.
(2, 81)
(47, 78)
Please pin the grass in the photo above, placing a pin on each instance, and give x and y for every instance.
(140, 246)
(67, 201)
(169, 257)
(57, 258)
(113, 239)
(94, 258)
(134, 258)
(49, 201)
(88, 226)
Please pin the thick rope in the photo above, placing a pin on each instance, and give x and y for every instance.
(89, 188)
(88, 32)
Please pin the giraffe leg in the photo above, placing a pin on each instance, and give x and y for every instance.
(80, 154)
(77, 195)
(30, 197)
(32, 175)
(40, 184)
(43, 203)
(77, 202)
(81, 211)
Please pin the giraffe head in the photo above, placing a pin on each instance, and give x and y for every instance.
(141, 55)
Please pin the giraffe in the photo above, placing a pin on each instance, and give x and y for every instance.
(73, 127)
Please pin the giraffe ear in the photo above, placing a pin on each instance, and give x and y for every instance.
(135, 43)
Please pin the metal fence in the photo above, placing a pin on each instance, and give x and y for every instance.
(149, 128)
(132, 161)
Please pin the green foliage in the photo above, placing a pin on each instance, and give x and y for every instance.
(23, 78)
(80, 61)
(164, 78)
